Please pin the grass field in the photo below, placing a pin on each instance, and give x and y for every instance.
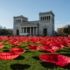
(28, 61)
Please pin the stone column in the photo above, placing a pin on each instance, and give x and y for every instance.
(22, 30)
(26, 29)
(33, 31)
(19, 30)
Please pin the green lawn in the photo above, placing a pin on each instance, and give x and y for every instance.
(28, 61)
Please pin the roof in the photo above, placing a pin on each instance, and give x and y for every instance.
(21, 16)
(49, 12)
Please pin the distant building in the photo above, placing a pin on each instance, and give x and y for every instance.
(43, 27)
(64, 30)
(60, 31)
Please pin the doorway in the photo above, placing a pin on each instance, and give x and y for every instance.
(17, 32)
(45, 31)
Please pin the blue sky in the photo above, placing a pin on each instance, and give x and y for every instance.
(31, 9)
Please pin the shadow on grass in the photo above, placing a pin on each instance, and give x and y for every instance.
(19, 66)
(36, 57)
(53, 66)
(67, 66)
(20, 58)
(48, 65)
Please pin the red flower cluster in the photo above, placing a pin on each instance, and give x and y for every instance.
(47, 44)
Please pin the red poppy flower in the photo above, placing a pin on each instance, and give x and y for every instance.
(8, 55)
(55, 58)
(35, 39)
(14, 53)
(32, 47)
(18, 51)
(51, 49)
(63, 60)
(15, 42)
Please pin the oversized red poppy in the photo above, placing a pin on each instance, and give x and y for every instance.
(57, 59)
(8, 55)
(18, 51)
(12, 54)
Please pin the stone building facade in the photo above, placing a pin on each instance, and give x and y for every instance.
(43, 27)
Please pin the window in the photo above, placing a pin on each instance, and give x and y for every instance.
(23, 20)
(18, 21)
(43, 18)
(48, 17)
(40, 18)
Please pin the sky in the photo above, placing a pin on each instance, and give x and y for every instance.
(31, 9)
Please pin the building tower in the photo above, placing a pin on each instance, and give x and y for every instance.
(46, 23)
(17, 24)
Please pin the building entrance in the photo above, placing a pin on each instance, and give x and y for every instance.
(17, 32)
(45, 31)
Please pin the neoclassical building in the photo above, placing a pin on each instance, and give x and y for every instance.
(43, 27)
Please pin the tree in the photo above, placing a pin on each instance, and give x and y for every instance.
(6, 32)
(67, 30)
